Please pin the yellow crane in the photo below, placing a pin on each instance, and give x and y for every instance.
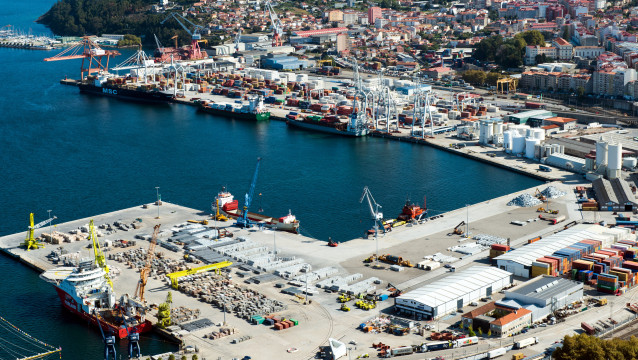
(176, 275)
(141, 285)
(30, 241)
(219, 216)
(100, 259)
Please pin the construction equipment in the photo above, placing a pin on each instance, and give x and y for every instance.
(394, 291)
(332, 243)
(203, 222)
(30, 241)
(345, 307)
(343, 298)
(219, 216)
(395, 260)
(243, 221)
(87, 49)
(109, 341)
(276, 24)
(458, 230)
(164, 312)
(100, 259)
(196, 52)
(375, 213)
(141, 285)
(502, 83)
(176, 275)
(539, 195)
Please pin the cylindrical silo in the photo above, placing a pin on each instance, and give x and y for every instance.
(507, 140)
(629, 162)
(539, 134)
(499, 128)
(530, 146)
(614, 156)
(547, 150)
(518, 144)
(601, 153)
(538, 151)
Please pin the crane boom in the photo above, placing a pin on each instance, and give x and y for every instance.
(42, 223)
(374, 210)
(243, 221)
(194, 34)
(277, 26)
(141, 285)
(100, 259)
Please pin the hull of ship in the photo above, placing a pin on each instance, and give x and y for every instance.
(126, 94)
(69, 303)
(325, 129)
(290, 227)
(244, 116)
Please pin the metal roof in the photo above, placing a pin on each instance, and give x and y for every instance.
(616, 191)
(456, 285)
(545, 287)
(527, 254)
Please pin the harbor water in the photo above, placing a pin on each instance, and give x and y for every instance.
(81, 155)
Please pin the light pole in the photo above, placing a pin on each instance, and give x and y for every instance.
(158, 201)
(467, 222)
(307, 267)
(274, 240)
(50, 226)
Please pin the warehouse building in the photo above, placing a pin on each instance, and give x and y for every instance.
(519, 261)
(614, 195)
(522, 117)
(283, 62)
(453, 292)
(542, 296)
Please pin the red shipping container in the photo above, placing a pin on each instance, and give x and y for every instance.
(500, 247)
(279, 326)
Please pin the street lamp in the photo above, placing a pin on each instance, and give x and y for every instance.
(307, 268)
(50, 225)
(158, 201)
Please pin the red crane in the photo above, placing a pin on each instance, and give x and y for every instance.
(90, 52)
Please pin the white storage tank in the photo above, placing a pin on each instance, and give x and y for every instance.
(601, 153)
(539, 134)
(518, 144)
(614, 156)
(530, 146)
(499, 128)
(629, 162)
(507, 140)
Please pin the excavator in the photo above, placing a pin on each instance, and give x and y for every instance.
(458, 230)
(394, 290)
(539, 195)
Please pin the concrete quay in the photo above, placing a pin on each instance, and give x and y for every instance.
(323, 318)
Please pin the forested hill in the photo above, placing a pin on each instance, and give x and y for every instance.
(97, 17)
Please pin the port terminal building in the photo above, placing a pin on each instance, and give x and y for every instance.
(453, 292)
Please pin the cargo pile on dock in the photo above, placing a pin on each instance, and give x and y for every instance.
(551, 192)
(524, 200)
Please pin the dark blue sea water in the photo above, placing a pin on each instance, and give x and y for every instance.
(80, 155)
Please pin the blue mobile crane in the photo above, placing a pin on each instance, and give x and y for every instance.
(243, 221)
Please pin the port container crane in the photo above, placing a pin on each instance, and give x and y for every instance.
(195, 33)
(30, 241)
(150, 256)
(277, 26)
(100, 259)
(243, 221)
(376, 215)
(87, 49)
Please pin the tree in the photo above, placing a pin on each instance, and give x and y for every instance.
(194, 357)
(493, 15)
(566, 33)
(471, 331)
(532, 37)
(491, 78)
(580, 91)
(171, 357)
(480, 331)
(489, 332)
(183, 357)
(474, 77)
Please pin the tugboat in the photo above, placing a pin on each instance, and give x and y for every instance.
(412, 211)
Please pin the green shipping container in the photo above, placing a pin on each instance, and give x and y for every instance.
(294, 322)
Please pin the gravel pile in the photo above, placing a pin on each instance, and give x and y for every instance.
(552, 192)
(524, 200)
(488, 240)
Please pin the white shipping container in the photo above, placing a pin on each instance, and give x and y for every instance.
(496, 353)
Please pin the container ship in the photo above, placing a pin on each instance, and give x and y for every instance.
(85, 291)
(230, 207)
(105, 86)
(254, 110)
(328, 124)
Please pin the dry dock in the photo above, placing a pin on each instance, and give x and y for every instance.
(323, 318)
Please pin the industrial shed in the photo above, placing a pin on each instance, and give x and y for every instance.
(519, 261)
(614, 195)
(543, 295)
(453, 292)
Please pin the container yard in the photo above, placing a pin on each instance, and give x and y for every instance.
(229, 285)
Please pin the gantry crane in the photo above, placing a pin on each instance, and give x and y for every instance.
(277, 26)
(100, 259)
(87, 49)
(237, 40)
(195, 33)
(376, 215)
(30, 241)
(141, 285)
(243, 221)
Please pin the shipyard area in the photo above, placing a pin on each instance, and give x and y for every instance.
(256, 287)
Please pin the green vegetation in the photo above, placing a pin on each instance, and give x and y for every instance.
(471, 331)
(585, 347)
(129, 40)
(507, 53)
(96, 17)
(479, 77)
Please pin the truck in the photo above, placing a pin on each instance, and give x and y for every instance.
(589, 330)
(525, 342)
(496, 353)
(473, 340)
(403, 350)
(544, 168)
(438, 345)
